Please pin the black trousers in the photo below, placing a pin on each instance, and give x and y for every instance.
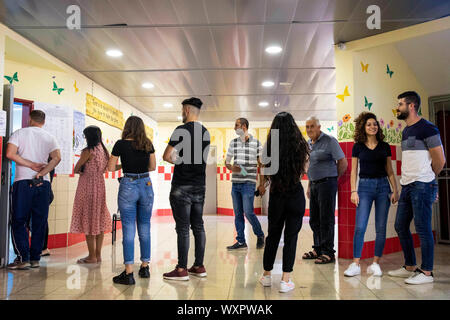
(187, 208)
(285, 211)
(322, 206)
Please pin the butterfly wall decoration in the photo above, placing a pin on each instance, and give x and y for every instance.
(345, 94)
(394, 112)
(12, 79)
(55, 88)
(367, 104)
(330, 129)
(389, 71)
(364, 67)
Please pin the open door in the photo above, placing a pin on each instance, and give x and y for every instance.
(18, 115)
(440, 108)
(210, 207)
(5, 187)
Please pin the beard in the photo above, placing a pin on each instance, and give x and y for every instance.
(403, 115)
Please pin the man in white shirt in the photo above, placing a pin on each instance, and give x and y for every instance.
(423, 159)
(30, 149)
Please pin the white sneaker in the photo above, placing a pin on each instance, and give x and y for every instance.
(353, 270)
(375, 269)
(419, 278)
(401, 273)
(286, 286)
(266, 281)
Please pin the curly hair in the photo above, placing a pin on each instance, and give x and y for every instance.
(360, 127)
(134, 129)
(293, 153)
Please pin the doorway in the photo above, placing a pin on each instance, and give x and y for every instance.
(18, 117)
(210, 207)
(440, 115)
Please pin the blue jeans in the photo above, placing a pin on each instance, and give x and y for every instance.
(29, 202)
(243, 195)
(187, 208)
(135, 205)
(416, 201)
(369, 191)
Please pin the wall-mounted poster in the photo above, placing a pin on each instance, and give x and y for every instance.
(102, 111)
(79, 143)
(78, 127)
(59, 123)
(149, 132)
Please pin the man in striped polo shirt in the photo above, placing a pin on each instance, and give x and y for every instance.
(246, 151)
(423, 159)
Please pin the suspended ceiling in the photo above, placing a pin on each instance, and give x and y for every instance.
(212, 49)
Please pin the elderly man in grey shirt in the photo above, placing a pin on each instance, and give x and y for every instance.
(327, 164)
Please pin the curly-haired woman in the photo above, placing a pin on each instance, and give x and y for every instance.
(375, 173)
(287, 198)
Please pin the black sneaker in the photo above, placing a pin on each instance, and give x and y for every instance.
(124, 278)
(260, 243)
(144, 272)
(237, 246)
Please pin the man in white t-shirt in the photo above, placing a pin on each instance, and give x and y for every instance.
(30, 149)
(423, 159)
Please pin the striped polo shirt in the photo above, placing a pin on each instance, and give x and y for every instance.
(416, 159)
(245, 154)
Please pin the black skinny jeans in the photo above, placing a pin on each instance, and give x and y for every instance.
(187, 207)
(285, 211)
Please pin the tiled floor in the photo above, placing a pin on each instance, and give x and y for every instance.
(231, 275)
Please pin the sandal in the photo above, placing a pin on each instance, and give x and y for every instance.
(310, 255)
(85, 261)
(324, 259)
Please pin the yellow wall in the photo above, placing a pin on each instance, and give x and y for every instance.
(375, 84)
(223, 132)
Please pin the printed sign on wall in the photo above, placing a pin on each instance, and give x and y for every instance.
(102, 111)
(59, 123)
(149, 132)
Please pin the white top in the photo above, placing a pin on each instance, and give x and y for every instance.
(33, 144)
(417, 139)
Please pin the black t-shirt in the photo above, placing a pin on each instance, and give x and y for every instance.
(372, 162)
(133, 161)
(191, 169)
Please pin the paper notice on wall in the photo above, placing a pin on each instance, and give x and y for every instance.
(79, 143)
(2, 123)
(79, 123)
(59, 123)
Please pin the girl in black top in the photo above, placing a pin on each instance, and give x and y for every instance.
(374, 157)
(287, 198)
(135, 197)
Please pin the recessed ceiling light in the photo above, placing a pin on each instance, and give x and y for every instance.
(168, 105)
(263, 104)
(285, 83)
(148, 85)
(114, 53)
(274, 49)
(267, 84)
